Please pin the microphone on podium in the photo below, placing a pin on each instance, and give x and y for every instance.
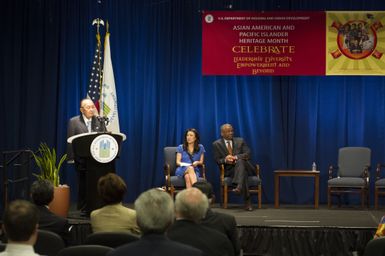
(104, 121)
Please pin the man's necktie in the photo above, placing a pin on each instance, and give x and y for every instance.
(229, 148)
(89, 126)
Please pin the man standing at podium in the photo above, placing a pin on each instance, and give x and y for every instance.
(84, 123)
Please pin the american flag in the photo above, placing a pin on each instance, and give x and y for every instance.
(94, 86)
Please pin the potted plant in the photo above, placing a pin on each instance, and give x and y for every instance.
(46, 160)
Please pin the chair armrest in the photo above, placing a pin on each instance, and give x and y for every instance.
(203, 169)
(167, 175)
(257, 170)
(378, 170)
(331, 169)
(366, 173)
(222, 173)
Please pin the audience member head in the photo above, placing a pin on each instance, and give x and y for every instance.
(87, 107)
(191, 204)
(191, 135)
(154, 211)
(111, 188)
(20, 222)
(227, 131)
(206, 188)
(42, 192)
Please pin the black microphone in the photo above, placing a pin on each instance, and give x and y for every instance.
(104, 121)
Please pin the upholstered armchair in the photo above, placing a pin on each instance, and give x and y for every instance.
(175, 183)
(352, 174)
(255, 185)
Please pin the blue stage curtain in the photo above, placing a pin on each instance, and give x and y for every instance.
(288, 122)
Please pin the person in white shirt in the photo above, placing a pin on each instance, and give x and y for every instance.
(20, 224)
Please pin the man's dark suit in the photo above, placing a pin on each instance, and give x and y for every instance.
(210, 241)
(225, 224)
(241, 169)
(51, 222)
(155, 245)
(76, 125)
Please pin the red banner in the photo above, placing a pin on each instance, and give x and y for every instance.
(263, 43)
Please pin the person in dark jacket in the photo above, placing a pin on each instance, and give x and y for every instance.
(190, 207)
(222, 222)
(42, 195)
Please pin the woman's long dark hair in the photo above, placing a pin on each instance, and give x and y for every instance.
(196, 143)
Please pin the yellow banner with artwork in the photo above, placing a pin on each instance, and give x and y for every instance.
(355, 43)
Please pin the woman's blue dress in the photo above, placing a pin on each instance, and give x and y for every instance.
(186, 159)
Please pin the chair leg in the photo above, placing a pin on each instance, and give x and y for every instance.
(376, 198)
(225, 196)
(259, 196)
(329, 198)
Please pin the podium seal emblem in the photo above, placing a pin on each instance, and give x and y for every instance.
(104, 148)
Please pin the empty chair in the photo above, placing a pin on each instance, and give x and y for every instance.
(85, 250)
(175, 183)
(48, 243)
(111, 239)
(353, 174)
(375, 247)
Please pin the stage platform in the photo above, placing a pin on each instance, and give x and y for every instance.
(290, 230)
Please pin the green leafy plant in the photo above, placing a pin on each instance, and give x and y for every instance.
(46, 161)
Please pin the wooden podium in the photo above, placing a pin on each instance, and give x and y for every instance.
(96, 154)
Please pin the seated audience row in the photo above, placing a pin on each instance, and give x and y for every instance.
(187, 228)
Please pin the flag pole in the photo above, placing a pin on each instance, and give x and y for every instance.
(99, 22)
(101, 99)
(110, 103)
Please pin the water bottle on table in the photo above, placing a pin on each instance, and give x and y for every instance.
(314, 167)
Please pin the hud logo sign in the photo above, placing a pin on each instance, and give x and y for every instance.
(104, 148)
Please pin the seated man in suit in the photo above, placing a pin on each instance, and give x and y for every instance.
(114, 216)
(84, 123)
(20, 223)
(234, 154)
(191, 206)
(224, 223)
(42, 195)
(155, 213)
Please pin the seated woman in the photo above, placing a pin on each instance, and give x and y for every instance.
(189, 156)
(114, 216)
